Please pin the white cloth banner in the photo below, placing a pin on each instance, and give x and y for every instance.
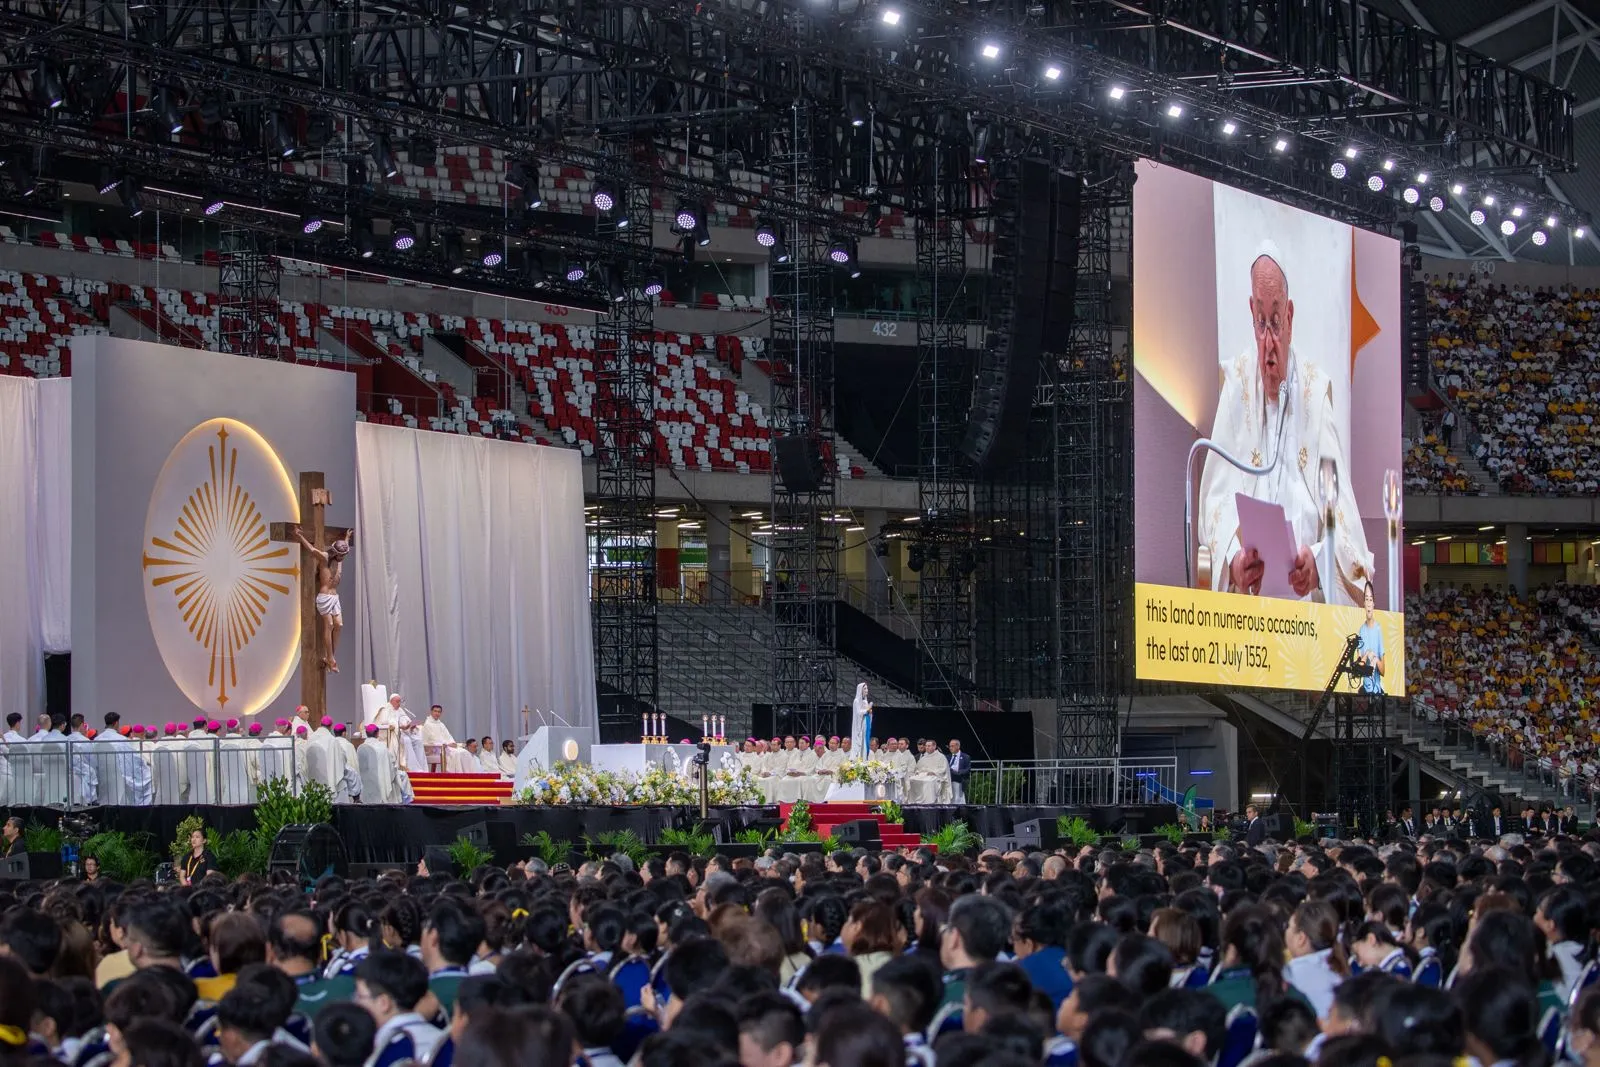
(36, 527)
(474, 577)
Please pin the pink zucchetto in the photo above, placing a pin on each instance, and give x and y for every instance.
(213, 726)
(127, 730)
(327, 721)
(281, 722)
(372, 729)
(255, 729)
(233, 724)
(171, 729)
(300, 730)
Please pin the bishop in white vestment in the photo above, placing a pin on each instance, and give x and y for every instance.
(929, 783)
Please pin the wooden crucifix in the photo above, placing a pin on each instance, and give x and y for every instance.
(320, 570)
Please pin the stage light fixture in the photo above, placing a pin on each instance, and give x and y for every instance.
(1508, 227)
(532, 198)
(403, 236)
(688, 216)
(1281, 145)
(128, 191)
(1116, 92)
(575, 271)
(1229, 127)
(1388, 165)
(1351, 152)
(453, 250)
(1488, 200)
(980, 142)
(1477, 217)
(1410, 194)
(1551, 222)
(842, 251)
(1516, 211)
(366, 246)
(780, 251)
(212, 203)
(1579, 233)
(1174, 111)
(855, 109)
(991, 50)
(1375, 183)
(614, 287)
(166, 111)
(620, 217)
(310, 224)
(1436, 204)
(766, 236)
(48, 84)
(604, 196)
(890, 17)
(280, 135)
(108, 181)
(493, 258)
(23, 176)
(653, 285)
(702, 233)
(1052, 73)
(1338, 169)
(1538, 238)
(1422, 177)
(1457, 189)
(383, 156)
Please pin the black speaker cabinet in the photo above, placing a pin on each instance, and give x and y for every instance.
(799, 462)
(1278, 827)
(309, 852)
(1036, 833)
(858, 832)
(31, 867)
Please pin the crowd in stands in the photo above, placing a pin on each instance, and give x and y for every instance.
(1519, 362)
(1414, 951)
(1518, 671)
(1430, 467)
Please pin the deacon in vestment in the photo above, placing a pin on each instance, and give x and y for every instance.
(350, 786)
(508, 759)
(929, 783)
(486, 756)
(795, 783)
(377, 769)
(1276, 410)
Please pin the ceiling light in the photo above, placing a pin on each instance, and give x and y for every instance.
(403, 237)
(128, 191)
(1388, 165)
(604, 197)
(1508, 227)
(1410, 194)
(688, 217)
(383, 156)
(766, 236)
(1280, 145)
(1579, 233)
(1477, 217)
(991, 51)
(212, 204)
(493, 258)
(1052, 73)
(1229, 127)
(1422, 178)
(1375, 183)
(1338, 169)
(1538, 238)
(1550, 222)
(1457, 189)
(310, 224)
(1516, 211)
(1488, 200)
(48, 84)
(1351, 152)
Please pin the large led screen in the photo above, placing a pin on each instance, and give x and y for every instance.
(1266, 357)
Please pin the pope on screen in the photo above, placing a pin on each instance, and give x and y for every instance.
(1276, 413)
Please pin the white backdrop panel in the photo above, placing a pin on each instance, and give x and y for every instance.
(474, 566)
(36, 527)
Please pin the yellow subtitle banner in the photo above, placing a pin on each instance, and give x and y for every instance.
(1210, 638)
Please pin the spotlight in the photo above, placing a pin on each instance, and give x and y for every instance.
(1410, 194)
(523, 175)
(1052, 73)
(604, 197)
(991, 50)
(310, 224)
(1422, 178)
(366, 247)
(1229, 127)
(702, 233)
(1174, 111)
(980, 142)
(1388, 165)
(128, 191)
(1516, 211)
(1488, 200)
(1457, 189)
(169, 114)
(280, 134)
(575, 271)
(841, 251)
(1436, 204)
(22, 173)
(766, 236)
(1281, 145)
(890, 17)
(1550, 222)
(493, 258)
(383, 156)
(1579, 233)
(780, 251)
(620, 217)
(1115, 92)
(1375, 183)
(855, 108)
(108, 181)
(688, 217)
(403, 236)
(212, 203)
(653, 285)
(1351, 152)
(1338, 169)
(1508, 227)
(614, 286)
(47, 83)
(1477, 217)
(454, 251)
(532, 198)
(1538, 238)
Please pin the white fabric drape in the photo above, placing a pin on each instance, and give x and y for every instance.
(473, 577)
(36, 530)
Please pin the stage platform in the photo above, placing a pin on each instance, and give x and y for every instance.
(399, 833)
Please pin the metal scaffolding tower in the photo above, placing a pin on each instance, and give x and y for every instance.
(940, 203)
(1094, 481)
(249, 279)
(624, 603)
(805, 539)
(1360, 792)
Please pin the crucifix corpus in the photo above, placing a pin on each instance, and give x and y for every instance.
(323, 550)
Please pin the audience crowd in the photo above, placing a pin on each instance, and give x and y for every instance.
(1414, 952)
(1520, 363)
(1430, 467)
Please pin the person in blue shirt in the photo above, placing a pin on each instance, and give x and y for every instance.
(907, 990)
(1369, 650)
(343, 1034)
(1039, 941)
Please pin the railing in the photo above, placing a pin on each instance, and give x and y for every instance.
(75, 773)
(1515, 763)
(1072, 782)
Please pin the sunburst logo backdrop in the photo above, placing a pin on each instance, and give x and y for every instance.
(222, 597)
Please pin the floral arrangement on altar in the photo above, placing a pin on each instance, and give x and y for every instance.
(867, 772)
(578, 783)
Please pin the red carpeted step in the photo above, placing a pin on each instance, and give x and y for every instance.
(459, 788)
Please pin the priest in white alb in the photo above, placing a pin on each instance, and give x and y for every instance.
(377, 768)
(929, 783)
(799, 762)
(443, 754)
